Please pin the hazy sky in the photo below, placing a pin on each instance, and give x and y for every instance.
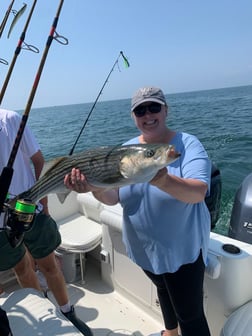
(178, 45)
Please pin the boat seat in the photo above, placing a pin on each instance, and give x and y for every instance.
(81, 232)
(30, 313)
(239, 323)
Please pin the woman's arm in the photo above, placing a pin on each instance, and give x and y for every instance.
(185, 190)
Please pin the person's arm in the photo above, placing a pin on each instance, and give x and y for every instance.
(109, 197)
(76, 181)
(38, 164)
(185, 190)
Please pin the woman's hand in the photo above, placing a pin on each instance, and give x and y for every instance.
(76, 181)
(160, 179)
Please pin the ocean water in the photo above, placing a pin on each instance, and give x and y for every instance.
(221, 119)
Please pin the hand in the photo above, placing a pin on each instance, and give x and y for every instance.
(76, 181)
(160, 178)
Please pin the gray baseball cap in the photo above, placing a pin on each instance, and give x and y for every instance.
(147, 94)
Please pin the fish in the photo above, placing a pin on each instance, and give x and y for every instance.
(106, 167)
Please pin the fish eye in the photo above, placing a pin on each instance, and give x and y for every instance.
(149, 153)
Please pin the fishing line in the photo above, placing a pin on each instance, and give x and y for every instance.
(17, 51)
(126, 62)
(6, 176)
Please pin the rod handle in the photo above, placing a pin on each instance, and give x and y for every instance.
(5, 181)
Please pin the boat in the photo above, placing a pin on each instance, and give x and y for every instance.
(112, 295)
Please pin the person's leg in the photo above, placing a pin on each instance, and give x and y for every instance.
(42, 240)
(18, 260)
(54, 277)
(33, 263)
(173, 332)
(25, 273)
(168, 313)
(186, 291)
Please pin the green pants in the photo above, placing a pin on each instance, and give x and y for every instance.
(41, 241)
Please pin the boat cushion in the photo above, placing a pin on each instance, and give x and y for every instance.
(239, 323)
(30, 313)
(90, 206)
(79, 233)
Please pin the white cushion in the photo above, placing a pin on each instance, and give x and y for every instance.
(30, 313)
(90, 206)
(112, 216)
(79, 234)
(239, 323)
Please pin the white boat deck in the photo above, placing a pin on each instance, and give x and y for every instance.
(105, 311)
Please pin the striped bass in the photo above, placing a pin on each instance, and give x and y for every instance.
(106, 167)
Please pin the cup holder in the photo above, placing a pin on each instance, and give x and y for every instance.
(230, 248)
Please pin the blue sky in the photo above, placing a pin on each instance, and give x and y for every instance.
(178, 45)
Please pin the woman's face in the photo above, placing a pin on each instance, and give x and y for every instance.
(151, 120)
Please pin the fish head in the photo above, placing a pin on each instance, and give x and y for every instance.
(142, 162)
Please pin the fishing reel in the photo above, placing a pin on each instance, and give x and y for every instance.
(18, 220)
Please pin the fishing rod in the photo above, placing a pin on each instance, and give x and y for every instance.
(7, 173)
(2, 26)
(17, 15)
(17, 52)
(126, 62)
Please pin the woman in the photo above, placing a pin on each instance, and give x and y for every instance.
(166, 224)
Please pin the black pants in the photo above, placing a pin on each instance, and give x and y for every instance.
(181, 298)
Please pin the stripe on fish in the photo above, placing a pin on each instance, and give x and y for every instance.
(106, 167)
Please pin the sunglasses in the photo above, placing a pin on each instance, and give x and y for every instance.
(141, 110)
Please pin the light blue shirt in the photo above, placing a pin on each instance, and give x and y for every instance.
(160, 232)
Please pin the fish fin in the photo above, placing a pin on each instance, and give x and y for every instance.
(49, 165)
(62, 196)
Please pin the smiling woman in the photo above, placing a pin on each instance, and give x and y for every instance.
(158, 214)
